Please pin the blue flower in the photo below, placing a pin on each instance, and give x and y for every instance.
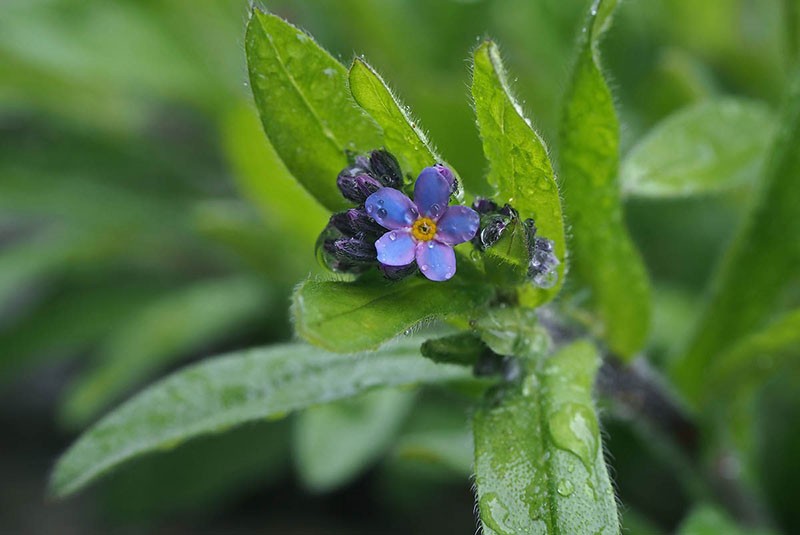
(425, 229)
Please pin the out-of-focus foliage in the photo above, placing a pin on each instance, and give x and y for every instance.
(146, 222)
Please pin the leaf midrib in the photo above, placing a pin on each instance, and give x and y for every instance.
(327, 133)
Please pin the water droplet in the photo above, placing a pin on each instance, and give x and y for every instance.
(392, 235)
(430, 245)
(546, 280)
(382, 213)
(565, 487)
(435, 209)
(370, 209)
(407, 332)
(448, 274)
(574, 429)
(380, 202)
(424, 267)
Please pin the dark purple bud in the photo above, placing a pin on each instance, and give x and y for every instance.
(355, 249)
(359, 221)
(361, 162)
(357, 188)
(448, 175)
(385, 168)
(341, 222)
(484, 206)
(396, 273)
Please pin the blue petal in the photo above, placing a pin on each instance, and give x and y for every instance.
(391, 209)
(396, 248)
(431, 193)
(457, 225)
(437, 261)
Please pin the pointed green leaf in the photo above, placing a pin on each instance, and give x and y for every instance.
(227, 391)
(335, 442)
(519, 166)
(602, 255)
(402, 135)
(306, 110)
(710, 147)
(361, 315)
(759, 273)
(539, 466)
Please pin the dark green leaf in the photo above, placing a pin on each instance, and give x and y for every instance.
(308, 116)
(520, 169)
(450, 448)
(335, 442)
(538, 453)
(759, 275)
(231, 390)
(602, 255)
(513, 331)
(403, 137)
(714, 146)
(356, 316)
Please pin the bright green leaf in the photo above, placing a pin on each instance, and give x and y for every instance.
(160, 333)
(538, 452)
(759, 274)
(227, 391)
(602, 255)
(520, 169)
(403, 137)
(335, 442)
(713, 146)
(307, 114)
(357, 316)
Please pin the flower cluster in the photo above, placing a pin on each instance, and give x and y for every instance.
(389, 229)
(400, 236)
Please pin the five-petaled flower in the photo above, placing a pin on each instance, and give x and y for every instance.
(425, 229)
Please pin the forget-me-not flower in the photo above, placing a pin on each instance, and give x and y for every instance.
(425, 229)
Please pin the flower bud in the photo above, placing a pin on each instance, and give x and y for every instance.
(341, 222)
(397, 272)
(448, 175)
(359, 221)
(355, 249)
(384, 167)
(484, 206)
(357, 188)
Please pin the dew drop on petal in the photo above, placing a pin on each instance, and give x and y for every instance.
(436, 209)
(370, 209)
(424, 267)
(392, 235)
(430, 245)
(382, 212)
(380, 202)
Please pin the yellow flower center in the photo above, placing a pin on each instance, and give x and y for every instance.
(424, 229)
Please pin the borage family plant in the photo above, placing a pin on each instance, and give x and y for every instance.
(475, 278)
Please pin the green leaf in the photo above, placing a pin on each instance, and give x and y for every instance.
(759, 274)
(160, 333)
(520, 169)
(402, 136)
(263, 179)
(710, 147)
(514, 331)
(539, 464)
(307, 114)
(602, 255)
(335, 442)
(227, 391)
(361, 315)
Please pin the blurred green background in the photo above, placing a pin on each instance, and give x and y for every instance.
(145, 223)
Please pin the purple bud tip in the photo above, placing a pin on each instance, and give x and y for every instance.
(484, 206)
